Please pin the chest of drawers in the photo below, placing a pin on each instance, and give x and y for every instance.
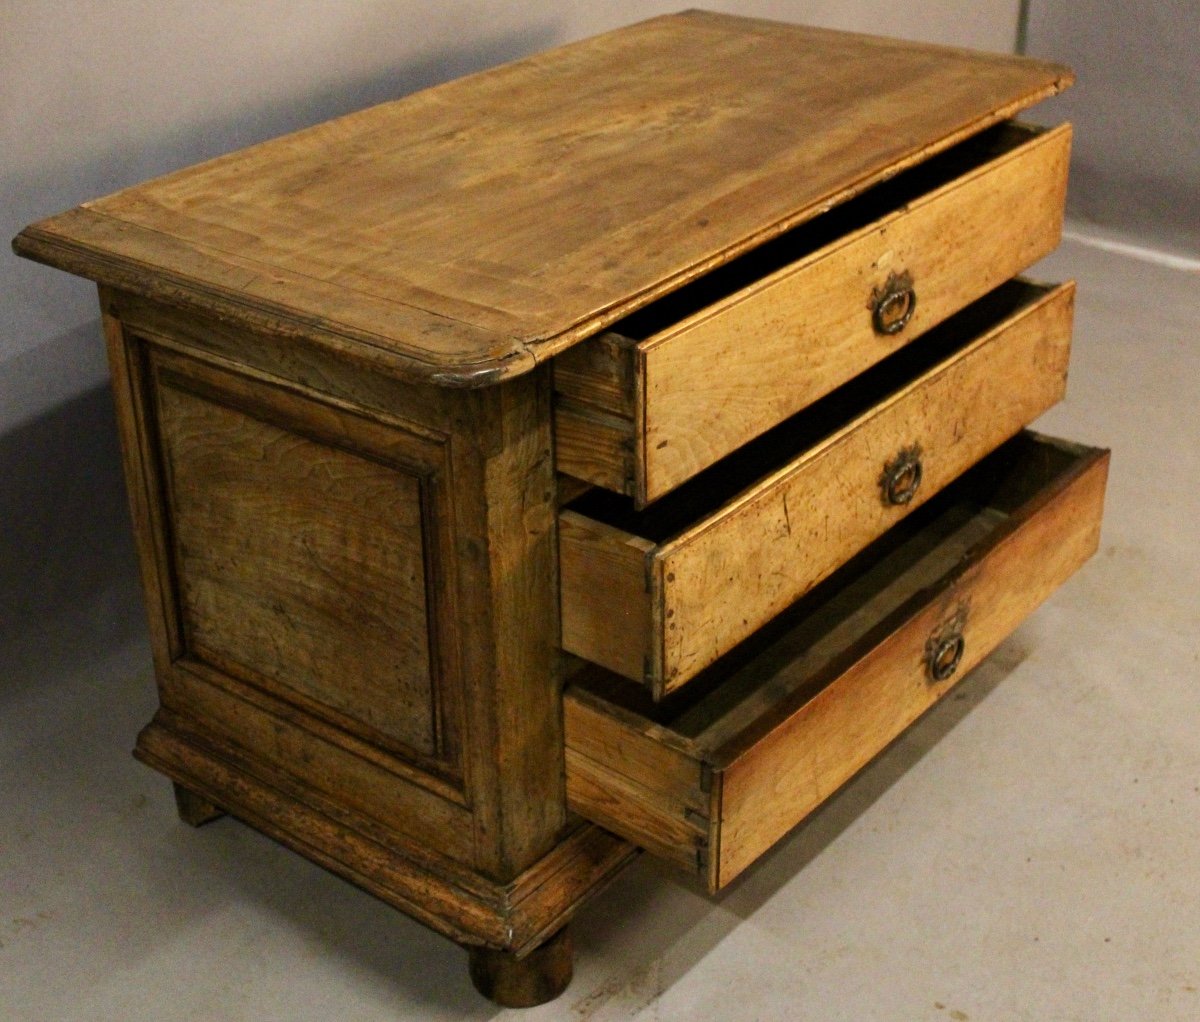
(612, 450)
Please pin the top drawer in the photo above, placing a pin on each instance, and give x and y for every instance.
(692, 377)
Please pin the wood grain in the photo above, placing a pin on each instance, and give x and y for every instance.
(143, 487)
(359, 784)
(607, 602)
(591, 445)
(747, 364)
(795, 721)
(735, 567)
(508, 628)
(469, 231)
(301, 563)
(790, 772)
(736, 570)
(633, 777)
(238, 346)
(491, 631)
(742, 363)
(351, 397)
(600, 374)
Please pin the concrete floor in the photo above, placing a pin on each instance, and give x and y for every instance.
(1030, 850)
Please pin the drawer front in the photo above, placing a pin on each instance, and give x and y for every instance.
(712, 784)
(661, 611)
(642, 417)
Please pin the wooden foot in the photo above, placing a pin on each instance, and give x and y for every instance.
(195, 810)
(539, 977)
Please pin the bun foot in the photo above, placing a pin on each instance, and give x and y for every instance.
(194, 809)
(539, 977)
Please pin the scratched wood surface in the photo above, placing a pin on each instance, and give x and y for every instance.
(676, 607)
(470, 230)
(713, 782)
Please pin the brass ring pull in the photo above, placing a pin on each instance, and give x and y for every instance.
(893, 304)
(944, 656)
(902, 476)
(945, 646)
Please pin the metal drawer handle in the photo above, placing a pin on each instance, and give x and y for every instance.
(893, 304)
(944, 656)
(901, 476)
(945, 646)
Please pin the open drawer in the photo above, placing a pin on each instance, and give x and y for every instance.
(692, 377)
(659, 594)
(712, 777)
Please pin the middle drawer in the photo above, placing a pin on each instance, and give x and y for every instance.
(659, 594)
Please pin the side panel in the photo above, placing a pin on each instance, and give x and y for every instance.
(637, 782)
(300, 563)
(352, 592)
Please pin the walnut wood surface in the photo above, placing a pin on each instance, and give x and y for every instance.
(345, 363)
(469, 231)
(514, 916)
(724, 574)
(820, 698)
(606, 595)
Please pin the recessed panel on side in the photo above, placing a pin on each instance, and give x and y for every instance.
(300, 566)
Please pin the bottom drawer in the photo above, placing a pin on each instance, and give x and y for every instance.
(713, 776)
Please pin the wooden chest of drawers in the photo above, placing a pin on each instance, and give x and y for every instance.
(612, 450)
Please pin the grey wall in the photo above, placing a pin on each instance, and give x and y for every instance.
(118, 91)
(1136, 109)
(99, 94)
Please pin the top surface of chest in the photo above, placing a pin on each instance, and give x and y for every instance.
(466, 232)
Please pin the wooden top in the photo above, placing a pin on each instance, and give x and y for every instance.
(467, 232)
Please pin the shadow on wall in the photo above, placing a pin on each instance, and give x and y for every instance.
(53, 188)
(68, 576)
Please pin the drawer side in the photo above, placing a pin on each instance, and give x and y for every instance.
(595, 400)
(638, 781)
(607, 594)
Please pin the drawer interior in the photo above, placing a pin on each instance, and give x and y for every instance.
(706, 493)
(874, 204)
(714, 774)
